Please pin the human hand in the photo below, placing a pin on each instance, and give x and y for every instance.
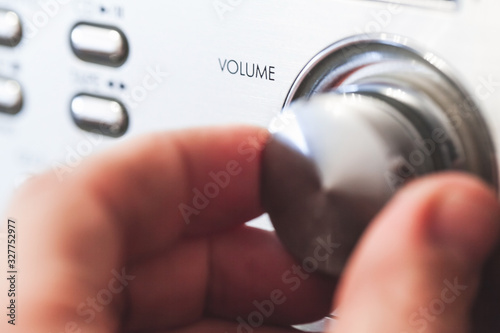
(119, 245)
(109, 249)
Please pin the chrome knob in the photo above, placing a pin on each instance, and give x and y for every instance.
(364, 117)
(333, 167)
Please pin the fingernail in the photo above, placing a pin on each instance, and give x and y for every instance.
(466, 220)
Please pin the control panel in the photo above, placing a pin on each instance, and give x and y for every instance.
(80, 76)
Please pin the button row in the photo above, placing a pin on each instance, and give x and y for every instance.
(10, 28)
(90, 42)
(11, 31)
(106, 46)
(106, 116)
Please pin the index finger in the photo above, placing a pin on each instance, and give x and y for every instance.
(196, 181)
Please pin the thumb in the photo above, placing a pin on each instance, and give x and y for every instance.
(417, 268)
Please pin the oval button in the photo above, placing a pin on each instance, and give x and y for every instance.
(100, 115)
(10, 28)
(99, 44)
(11, 96)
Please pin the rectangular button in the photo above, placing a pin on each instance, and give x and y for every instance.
(11, 96)
(10, 28)
(102, 45)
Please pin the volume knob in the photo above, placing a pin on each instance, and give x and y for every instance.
(332, 168)
(363, 118)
